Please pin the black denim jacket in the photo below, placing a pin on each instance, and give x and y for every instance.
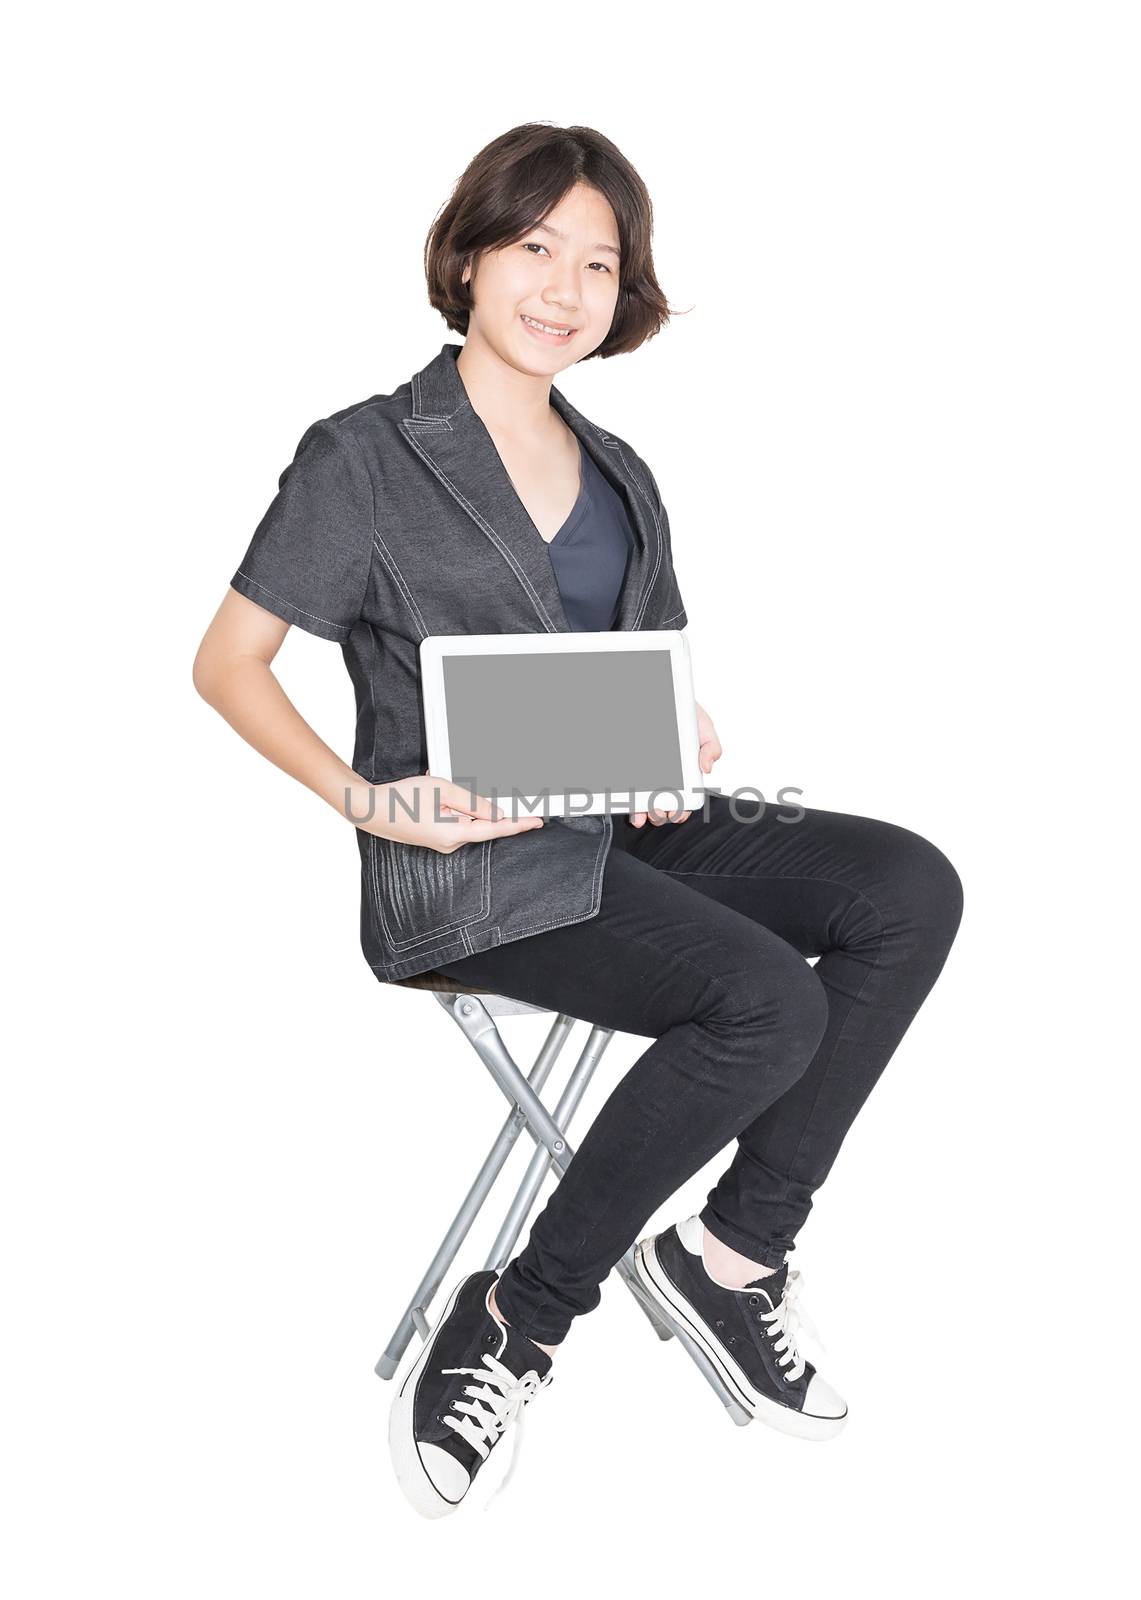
(397, 519)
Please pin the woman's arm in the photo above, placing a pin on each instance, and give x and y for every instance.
(232, 672)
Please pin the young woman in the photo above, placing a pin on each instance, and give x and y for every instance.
(474, 499)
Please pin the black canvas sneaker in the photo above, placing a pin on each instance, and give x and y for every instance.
(468, 1385)
(749, 1334)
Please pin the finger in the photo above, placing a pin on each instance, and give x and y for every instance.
(637, 818)
(463, 800)
(480, 828)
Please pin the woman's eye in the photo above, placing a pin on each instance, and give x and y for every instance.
(533, 244)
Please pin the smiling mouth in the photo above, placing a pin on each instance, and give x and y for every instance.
(549, 330)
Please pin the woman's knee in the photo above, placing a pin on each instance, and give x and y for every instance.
(923, 890)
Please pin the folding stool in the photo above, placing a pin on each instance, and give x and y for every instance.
(474, 1011)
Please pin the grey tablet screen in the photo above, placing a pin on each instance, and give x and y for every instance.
(584, 721)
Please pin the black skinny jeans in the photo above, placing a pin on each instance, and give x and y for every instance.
(700, 944)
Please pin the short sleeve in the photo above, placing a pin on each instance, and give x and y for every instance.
(309, 559)
(674, 606)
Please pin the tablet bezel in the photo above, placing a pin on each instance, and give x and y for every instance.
(434, 648)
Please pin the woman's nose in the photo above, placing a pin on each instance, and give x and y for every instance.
(561, 296)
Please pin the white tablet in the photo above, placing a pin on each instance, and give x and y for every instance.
(563, 724)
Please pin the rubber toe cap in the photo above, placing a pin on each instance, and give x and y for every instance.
(821, 1400)
(447, 1475)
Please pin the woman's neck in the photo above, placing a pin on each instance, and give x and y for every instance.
(507, 401)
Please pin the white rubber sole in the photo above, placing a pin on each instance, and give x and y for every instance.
(797, 1423)
(411, 1473)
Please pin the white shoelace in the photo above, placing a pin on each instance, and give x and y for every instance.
(495, 1404)
(786, 1322)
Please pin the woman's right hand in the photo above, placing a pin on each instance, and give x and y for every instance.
(439, 814)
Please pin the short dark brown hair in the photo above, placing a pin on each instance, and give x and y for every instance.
(510, 186)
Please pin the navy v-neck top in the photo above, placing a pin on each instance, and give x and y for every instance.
(590, 552)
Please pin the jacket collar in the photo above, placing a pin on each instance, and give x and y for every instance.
(451, 438)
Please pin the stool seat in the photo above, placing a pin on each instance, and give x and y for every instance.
(438, 981)
(498, 1005)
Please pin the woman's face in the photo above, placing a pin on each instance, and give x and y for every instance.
(564, 273)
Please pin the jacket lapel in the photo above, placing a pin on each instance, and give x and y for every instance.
(453, 442)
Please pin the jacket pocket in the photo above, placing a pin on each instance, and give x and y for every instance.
(421, 895)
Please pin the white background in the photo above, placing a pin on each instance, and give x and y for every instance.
(898, 422)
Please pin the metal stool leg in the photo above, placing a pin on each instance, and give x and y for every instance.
(414, 1318)
(485, 1037)
(554, 1150)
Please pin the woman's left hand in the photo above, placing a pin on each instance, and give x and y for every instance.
(708, 751)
